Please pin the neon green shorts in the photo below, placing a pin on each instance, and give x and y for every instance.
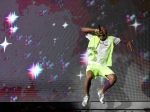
(99, 70)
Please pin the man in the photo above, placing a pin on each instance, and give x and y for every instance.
(100, 49)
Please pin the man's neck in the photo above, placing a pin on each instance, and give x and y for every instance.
(104, 38)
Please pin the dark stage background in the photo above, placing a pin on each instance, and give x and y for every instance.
(46, 60)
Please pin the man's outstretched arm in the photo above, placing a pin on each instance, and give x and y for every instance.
(128, 43)
(89, 30)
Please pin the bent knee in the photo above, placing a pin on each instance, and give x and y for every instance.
(112, 77)
(89, 74)
(115, 78)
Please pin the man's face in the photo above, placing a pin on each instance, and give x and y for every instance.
(102, 34)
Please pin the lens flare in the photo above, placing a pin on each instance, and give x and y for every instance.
(84, 58)
(13, 29)
(5, 44)
(35, 70)
(11, 18)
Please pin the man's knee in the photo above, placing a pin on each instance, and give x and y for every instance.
(89, 75)
(112, 77)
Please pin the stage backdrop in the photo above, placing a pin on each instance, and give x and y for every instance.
(43, 51)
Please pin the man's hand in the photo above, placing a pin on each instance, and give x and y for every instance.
(130, 45)
(96, 31)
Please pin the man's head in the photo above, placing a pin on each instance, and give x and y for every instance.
(102, 33)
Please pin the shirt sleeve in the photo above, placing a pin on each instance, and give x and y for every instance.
(89, 36)
(116, 40)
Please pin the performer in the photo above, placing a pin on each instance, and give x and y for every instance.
(100, 49)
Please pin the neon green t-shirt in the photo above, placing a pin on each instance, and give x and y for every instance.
(100, 52)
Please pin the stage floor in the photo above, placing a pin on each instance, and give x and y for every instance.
(77, 106)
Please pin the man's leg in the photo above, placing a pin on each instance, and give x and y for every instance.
(87, 85)
(87, 82)
(112, 79)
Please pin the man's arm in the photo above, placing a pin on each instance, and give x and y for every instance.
(89, 30)
(128, 43)
(123, 41)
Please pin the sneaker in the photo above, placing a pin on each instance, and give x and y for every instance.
(101, 97)
(85, 101)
